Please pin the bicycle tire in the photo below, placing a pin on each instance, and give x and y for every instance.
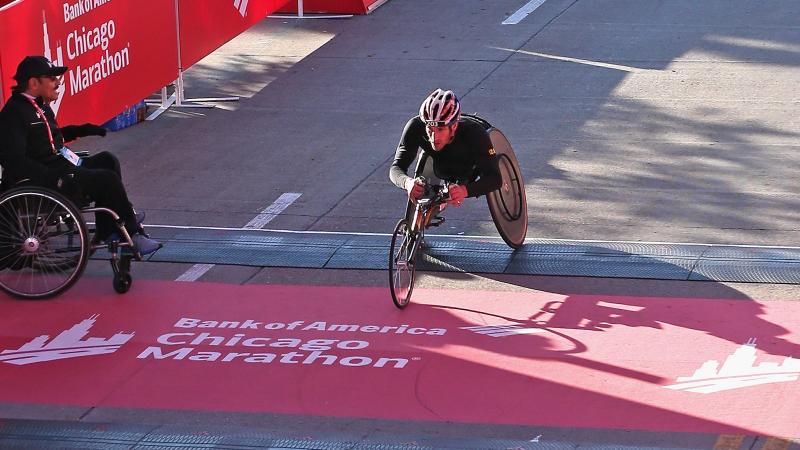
(401, 276)
(44, 243)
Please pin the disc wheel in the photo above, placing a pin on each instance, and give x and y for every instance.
(508, 204)
(512, 194)
(43, 243)
(402, 265)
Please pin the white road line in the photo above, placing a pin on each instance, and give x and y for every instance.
(195, 272)
(273, 210)
(266, 216)
(580, 61)
(469, 236)
(523, 12)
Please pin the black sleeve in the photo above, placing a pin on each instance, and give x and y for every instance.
(488, 169)
(406, 152)
(72, 132)
(13, 143)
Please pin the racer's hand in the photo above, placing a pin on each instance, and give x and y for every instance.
(457, 194)
(90, 129)
(415, 187)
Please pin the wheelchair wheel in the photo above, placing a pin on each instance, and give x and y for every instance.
(122, 273)
(402, 265)
(508, 205)
(43, 243)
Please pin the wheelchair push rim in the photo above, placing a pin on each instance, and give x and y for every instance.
(43, 243)
(402, 265)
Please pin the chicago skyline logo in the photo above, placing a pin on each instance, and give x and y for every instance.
(241, 5)
(738, 371)
(58, 61)
(68, 344)
(503, 330)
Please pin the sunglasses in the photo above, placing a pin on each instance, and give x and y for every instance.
(53, 77)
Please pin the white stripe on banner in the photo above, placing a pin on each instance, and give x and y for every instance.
(523, 12)
(241, 5)
(273, 210)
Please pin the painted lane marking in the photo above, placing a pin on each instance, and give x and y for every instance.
(523, 12)
(272, 211)
(266, 216)
(195, 272)
(580, 61)
(463, 236)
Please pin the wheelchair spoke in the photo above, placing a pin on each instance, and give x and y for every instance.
(43, 243)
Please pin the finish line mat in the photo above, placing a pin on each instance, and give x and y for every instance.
(659, 364)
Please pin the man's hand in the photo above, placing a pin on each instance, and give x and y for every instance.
(90, 129)
(415, 187)
(457, 194)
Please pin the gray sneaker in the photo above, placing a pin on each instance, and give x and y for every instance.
(145, 245)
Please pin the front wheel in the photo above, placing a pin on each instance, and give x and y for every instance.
(402, 264)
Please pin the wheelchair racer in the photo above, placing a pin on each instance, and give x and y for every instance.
(32, 148)
(460, 149)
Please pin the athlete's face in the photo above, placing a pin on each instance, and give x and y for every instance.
(441, 136)
(45, 87)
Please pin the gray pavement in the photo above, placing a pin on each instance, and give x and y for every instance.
(657, 121)
(669, 121)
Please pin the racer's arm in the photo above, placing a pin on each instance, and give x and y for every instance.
(72, 132)
(406, 152)
(490, 178)
(13, 144)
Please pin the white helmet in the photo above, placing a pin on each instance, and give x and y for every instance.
(440, 109)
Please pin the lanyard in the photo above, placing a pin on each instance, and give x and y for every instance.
(41, 115)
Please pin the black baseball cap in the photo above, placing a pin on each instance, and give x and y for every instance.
(37, 66)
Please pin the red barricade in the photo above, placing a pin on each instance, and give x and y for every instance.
(117, 52)
(205, 28)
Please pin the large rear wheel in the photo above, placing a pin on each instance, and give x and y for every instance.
(402, 264)
(43, 243)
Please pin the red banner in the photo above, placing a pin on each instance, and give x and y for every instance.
(205, 28)
(115, 51)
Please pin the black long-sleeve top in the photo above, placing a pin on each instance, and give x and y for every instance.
(25, 150)
(470, 153)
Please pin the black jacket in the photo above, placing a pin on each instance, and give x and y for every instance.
(471, 151)
(25, 150)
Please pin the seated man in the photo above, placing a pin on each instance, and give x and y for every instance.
(32, 148)
(460, 149)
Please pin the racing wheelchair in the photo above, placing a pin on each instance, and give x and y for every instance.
(45, 243)
(507, 205)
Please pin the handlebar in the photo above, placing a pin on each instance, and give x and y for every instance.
(435, 193)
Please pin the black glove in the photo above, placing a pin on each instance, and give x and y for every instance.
(72, 132)
(90, 129)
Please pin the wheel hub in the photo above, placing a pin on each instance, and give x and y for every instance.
(31, 245)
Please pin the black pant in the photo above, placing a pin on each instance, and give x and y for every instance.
(99, 177)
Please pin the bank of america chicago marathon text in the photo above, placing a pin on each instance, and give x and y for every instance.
(83, 40)
(187, 342)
